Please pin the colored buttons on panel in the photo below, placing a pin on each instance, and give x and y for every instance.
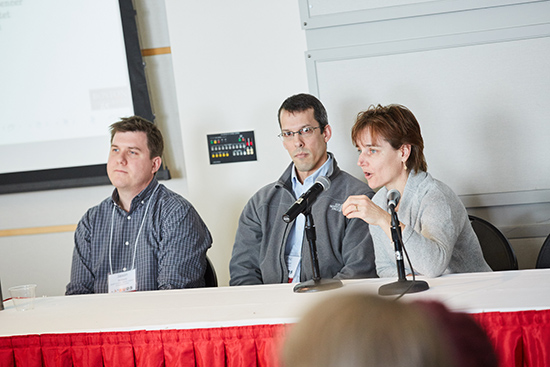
(231, 147)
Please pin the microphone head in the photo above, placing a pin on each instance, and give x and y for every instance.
(393, 197)
(324, 181)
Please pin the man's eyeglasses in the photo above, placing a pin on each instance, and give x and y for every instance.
(305, 132)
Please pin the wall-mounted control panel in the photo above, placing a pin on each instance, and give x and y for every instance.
(231, 147)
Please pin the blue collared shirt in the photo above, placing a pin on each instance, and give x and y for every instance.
(296, 235)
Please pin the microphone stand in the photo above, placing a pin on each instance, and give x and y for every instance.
(315, 284)
(402, 285)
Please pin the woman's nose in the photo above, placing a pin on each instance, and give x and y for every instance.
(361, 161)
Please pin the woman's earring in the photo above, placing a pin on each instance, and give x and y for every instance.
(405, 166)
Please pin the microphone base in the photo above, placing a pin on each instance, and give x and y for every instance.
(403, 286)
(317, 285)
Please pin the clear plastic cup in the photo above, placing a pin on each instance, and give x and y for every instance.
(23, 296)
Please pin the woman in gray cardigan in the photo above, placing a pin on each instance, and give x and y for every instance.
(436, 231)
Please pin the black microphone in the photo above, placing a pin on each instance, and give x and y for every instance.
(393, 199)
(307, 199)
(402, 285)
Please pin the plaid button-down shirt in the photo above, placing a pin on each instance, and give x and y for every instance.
(170, 252)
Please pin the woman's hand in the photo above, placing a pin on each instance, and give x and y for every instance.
(360, 206)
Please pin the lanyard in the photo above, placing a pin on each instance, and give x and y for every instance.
(137, 237)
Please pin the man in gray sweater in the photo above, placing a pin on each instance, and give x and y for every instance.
(267, 250)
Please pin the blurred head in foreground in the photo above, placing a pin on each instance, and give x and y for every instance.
(361, 330)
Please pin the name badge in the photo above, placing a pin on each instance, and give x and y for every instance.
(122, 282)
(293, 263)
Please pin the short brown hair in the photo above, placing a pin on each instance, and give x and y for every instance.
(397, 125)
(155, 142)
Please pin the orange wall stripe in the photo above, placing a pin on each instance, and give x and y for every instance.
(156, 51)
(37, 230)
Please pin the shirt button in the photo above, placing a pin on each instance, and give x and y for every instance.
(127, 243)
(129, 217)
(123, 269)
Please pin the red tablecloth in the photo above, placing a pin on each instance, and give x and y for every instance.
(520, 338)
(219, 347)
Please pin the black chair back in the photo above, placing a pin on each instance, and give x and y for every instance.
(543, 261)
(497, 251)
(210, 277)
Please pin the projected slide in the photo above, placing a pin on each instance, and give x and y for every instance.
(63, 80)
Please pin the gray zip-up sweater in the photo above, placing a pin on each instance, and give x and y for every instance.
(438, 235)
(344, 246)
